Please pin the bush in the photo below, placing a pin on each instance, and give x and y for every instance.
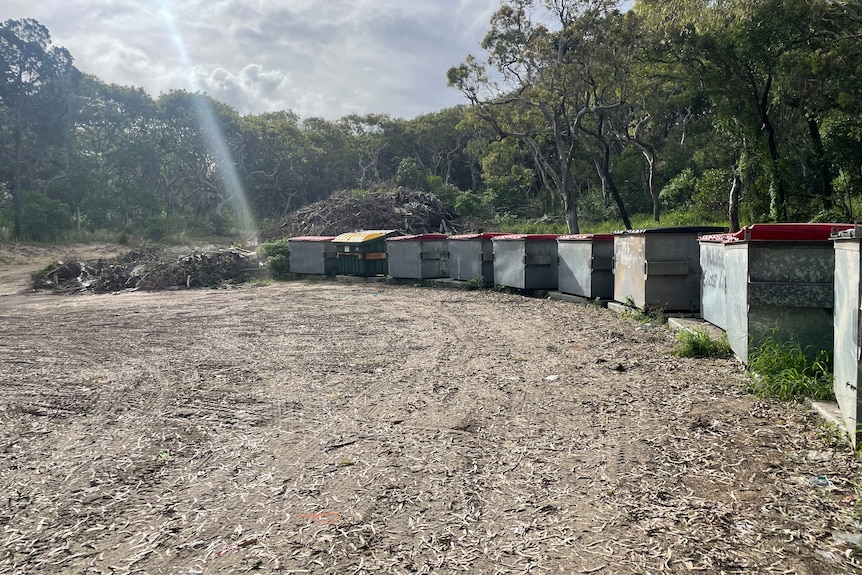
(698, 343)
(277, 257)
(782, 370)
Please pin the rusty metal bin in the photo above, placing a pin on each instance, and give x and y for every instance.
(659, 267)
(846, 366)
(363, 253)
(526, 261)
(586, 265)
(314, 255)
(471, 257)
(422, 256)
(778, 283)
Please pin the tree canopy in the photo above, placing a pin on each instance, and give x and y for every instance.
(576, 111)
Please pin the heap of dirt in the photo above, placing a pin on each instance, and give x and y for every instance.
(406, 210)
(146, 269)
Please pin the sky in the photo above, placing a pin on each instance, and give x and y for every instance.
(323, 58)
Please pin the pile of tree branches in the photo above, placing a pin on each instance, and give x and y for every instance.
(406, 210)
(150, 270)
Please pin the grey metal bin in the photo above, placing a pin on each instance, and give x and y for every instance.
(659, 267)
(777, 282)
(847, 369)
(471, 257)
(586, 265)
(422, 256)
(526, 261)
(313, 255)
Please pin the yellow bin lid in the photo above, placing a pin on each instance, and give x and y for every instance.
(362, 237)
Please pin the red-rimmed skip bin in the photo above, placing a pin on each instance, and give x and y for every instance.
(314, 255)
(422, 256)
(526, 261)
(471, 257)
(659, 267)
(846, 363)
(586, 265)
(771, 280)
(363, 253)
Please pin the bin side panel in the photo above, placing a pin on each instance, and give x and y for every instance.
(404, 259)
(713, 291)
(629, 277)
(676, 258)
(846, 362)
(736, 310)
(585, 268)
(509, 265)
(307, 258)
(791, 262)
(540, 259)
(434, 256)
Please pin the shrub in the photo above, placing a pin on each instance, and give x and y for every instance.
(277, 256)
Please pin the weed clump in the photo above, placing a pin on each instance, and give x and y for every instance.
(782, 370)
(699, 343)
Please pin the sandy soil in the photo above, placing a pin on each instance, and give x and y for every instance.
(318, 427)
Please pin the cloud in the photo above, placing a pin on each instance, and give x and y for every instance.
(324, 58)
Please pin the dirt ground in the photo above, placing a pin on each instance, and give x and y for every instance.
(322, 427)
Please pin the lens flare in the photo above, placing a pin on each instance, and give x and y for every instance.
(211, 128)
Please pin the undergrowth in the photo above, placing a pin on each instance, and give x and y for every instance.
(650, 314)
(782, 370)
(698, 342)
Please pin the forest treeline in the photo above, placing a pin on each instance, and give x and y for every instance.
(575, 111)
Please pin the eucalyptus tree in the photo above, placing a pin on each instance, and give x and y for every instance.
(35, 79)
(550, 87)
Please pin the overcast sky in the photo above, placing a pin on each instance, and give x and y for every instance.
(325, 58)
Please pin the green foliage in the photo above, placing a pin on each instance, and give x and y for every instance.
(699, 343)
(645, 221)
(277, 256)
(649, 315)
(781, 369)
(42, 218)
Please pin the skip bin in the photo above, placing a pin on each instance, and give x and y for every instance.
(526, 261)
(846, 366)
(423, 256)
(659, 267)
(363, 253)
(313, 255)
(471, 257)
(713, 288)
(778, 283)
(586, 265)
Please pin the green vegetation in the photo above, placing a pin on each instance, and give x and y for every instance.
(650, 315)
(698, 342)
(671, 113)
(277, 257)
(781, 369)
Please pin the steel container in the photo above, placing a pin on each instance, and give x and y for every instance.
(777, 283)
(363, 253)
(586, 265)
(422, 256)
(526, 261)
(471, 257)
(659, 267)
(314, 255)
(847, 369)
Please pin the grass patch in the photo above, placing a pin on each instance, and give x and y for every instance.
(782, 370)
(650, 314)
(698, 342)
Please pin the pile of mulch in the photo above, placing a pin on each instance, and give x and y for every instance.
(406, 210)
(151, 270)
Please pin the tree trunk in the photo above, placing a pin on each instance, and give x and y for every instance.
(570, 208)
(733, 203)
(603, 167)
(827, 192)
(19, 167)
